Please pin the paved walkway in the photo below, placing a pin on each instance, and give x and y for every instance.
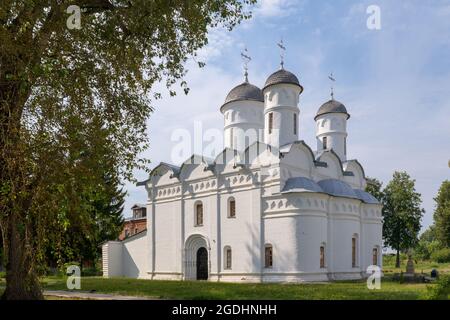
(91, 295)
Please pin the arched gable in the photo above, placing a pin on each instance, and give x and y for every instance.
(354, 174)
(196, 167)
(164, 174)
(226, 157)
(328, 165)
(298, 155)
(227, 161)
(260, 154)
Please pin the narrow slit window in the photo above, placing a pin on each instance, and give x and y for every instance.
(228, 258)
(232, 208)
(268, 256)
(353, 252)
(295, 123)
(324, 142)
(375, 256)
(199, 214)
(322, 257)
(270, 122)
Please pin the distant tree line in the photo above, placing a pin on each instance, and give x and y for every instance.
(402, 214)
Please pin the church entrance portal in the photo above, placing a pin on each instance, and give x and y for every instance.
(196, 258)
(202, 264)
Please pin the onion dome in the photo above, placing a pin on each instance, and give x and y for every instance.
(332, 106)
(282, 76)
(244, 91)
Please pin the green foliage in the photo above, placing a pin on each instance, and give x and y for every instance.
(374, 188)
(441, 290)
(442, 214)
(441, 255)
(429, 235)
(401, 212)
(2, 274)
(74, 101)
(427, 244)
(425, 249)
(105, 222)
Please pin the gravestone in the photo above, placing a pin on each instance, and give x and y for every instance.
(410, 265)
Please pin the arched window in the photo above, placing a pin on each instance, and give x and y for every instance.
(375, 256)
(354, 250)
(199, 214)
(228, 257)
(322, 256)
(231, 208)
(295, 123)
(268, 256)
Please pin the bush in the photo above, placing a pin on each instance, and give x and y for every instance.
(425, 249)
(2, 274)
(441, 290)
(441, 256)
(91, 272)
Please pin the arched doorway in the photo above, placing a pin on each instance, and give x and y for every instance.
(202, 264)
(196, 258)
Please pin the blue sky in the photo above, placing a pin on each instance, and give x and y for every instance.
(395, 82)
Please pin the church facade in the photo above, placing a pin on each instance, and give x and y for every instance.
(266, 209)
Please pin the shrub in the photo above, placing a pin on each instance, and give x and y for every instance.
(425, 249)
(441, 290)
(2, 274)
(91, 272)
(441, 256)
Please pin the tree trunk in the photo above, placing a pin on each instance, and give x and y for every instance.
(397, 261)
(22, 283)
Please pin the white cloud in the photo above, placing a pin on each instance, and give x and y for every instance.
(218, 40)
(276, 8)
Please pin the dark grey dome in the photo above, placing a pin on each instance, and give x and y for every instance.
(332, 106)
(282, 76)
(244, 91)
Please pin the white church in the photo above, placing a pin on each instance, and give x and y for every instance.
(266, 209)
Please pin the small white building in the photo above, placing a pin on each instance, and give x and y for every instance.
(267, 209)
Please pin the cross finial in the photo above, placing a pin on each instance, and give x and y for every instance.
(282, 50)
(331, 77)
(245, 59)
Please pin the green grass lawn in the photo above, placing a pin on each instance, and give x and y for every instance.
(210, 290)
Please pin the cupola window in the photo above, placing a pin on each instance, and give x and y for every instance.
(295, 123)
(270, 122)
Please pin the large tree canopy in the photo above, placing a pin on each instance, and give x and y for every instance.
(442, 214)
(402, 213)
(74, 99)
